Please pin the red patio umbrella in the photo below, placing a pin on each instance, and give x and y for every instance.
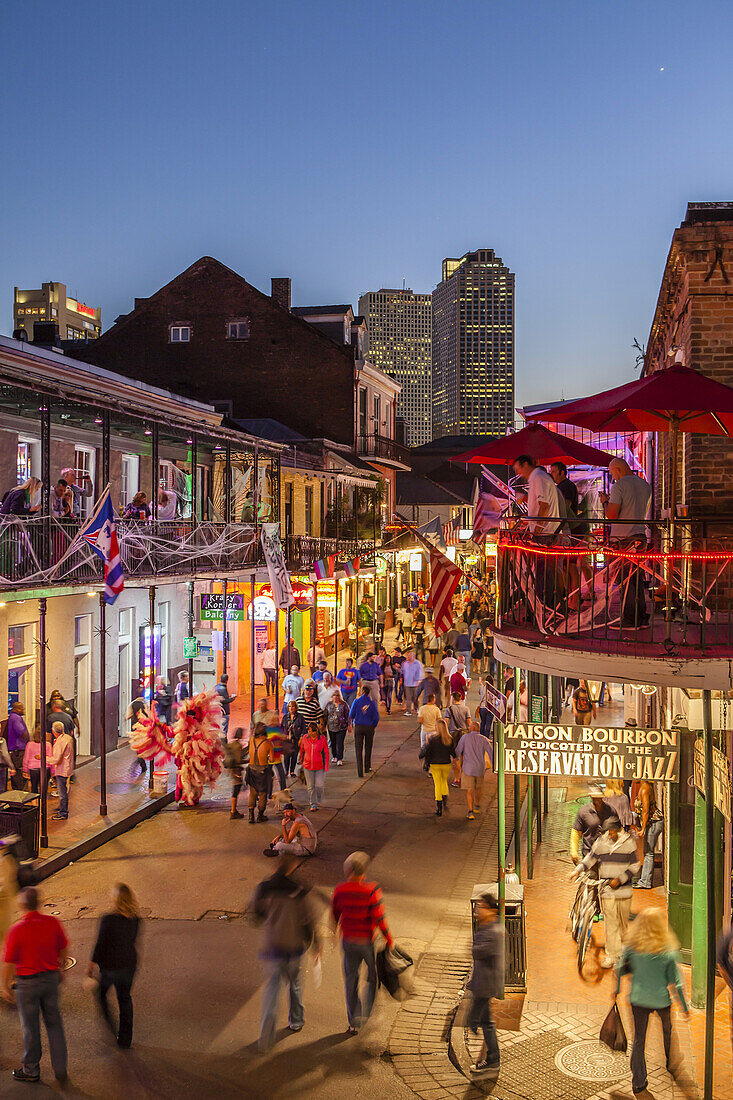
(672, 400)
(543, 445)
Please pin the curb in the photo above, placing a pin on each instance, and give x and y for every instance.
(106, 832)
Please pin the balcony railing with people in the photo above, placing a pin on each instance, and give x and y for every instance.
(664, 593)
(38, 550)
(34, 550)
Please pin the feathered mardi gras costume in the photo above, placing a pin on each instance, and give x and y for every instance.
(196, 745)
(151, 738)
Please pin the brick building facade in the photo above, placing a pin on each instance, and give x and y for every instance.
(210, 335)
(693, 323)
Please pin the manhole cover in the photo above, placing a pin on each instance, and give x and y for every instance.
(591, 1061)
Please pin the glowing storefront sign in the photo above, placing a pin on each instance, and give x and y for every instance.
(416, 562)
(264, 609)
(80, 307)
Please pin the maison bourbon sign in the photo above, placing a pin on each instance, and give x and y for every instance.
(591, 752)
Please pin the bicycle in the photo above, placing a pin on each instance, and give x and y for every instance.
(585, 908)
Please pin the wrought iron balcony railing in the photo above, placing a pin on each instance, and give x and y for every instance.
(380, 447)
(654, 595)
(38, 551)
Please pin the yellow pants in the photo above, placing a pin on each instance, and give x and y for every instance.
(440, 774)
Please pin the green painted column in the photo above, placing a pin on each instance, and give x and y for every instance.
(517, 789)
(699, 908)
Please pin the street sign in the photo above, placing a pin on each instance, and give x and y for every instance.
(592, 752)
(537, 710)
(190, 648)
(721, 777)
(212, 606)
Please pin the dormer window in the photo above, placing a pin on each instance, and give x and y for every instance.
(238, 330)
(179, 334)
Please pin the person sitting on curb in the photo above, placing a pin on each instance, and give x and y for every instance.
(298, 836)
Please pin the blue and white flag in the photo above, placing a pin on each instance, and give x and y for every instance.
(100, 533)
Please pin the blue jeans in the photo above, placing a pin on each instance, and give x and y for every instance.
(62, 782)
(315, 781)
(280, 969)
(651, 836)
(357, 952)
(35, 995)
(480, 1017)
(487, 721)
(349, 697)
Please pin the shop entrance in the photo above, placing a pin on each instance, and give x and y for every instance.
(22, 670)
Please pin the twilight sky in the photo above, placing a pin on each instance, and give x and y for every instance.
(351, 144)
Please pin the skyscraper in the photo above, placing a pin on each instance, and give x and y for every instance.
(399, 327)
(473, 347)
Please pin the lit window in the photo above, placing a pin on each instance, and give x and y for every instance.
(180, 334)
(238, 330)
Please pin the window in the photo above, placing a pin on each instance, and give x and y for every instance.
(84, 463)
(362, 412)
(20, 640)
(28, 459)
(180, 334)
(129, 478)
(238, 330)
(377, 414)
(308, 509)
(288, 508)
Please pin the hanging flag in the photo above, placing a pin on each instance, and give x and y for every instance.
(450, 531)
(444, 577)
(351, 568)
(489, 506)
(323, 568)
(100, 533)
(282, 590)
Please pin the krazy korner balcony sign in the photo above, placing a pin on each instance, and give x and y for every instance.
(591, 752)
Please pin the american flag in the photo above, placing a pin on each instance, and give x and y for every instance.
(488, 507)
(450, 531)
(444, 578)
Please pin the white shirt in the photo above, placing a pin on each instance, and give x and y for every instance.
(325, 692)
(314, 656)
(268, 659)
(168, 510)
(541, 489)
(449, 666)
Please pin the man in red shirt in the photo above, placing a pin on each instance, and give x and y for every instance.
(459, 678)
(357, 909)
(35, 951)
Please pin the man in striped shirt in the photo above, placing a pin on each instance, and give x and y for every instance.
(614, 852)
(308, 705)
(357, 910)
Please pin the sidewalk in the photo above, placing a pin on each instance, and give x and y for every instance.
(129, 801)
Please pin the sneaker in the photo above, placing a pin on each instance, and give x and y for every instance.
(352, 1031)
(313, 809)
(60, 817)
(269, 852)
(471, 815)
(484, 1067)
(235, 815)
(21, 1075)
(295, 1027)
(339, 763)
(606, 962)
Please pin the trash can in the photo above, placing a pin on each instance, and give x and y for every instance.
(515, 941)
(19, 814)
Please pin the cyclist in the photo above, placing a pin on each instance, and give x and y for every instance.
(588, 823)
(615, 855)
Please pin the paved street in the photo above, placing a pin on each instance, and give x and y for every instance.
(197, 995)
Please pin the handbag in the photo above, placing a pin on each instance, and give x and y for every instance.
(612, 1031)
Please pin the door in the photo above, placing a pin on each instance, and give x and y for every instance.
(82, 700)
(125, 688)
(681, 820)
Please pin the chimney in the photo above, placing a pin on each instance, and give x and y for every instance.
(281, 293)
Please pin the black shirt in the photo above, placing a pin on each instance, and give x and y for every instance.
(115, 946)
(60, 716)
(569, 490)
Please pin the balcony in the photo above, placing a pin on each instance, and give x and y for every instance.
(301, 551)
(34, 552)
(378, 448)
(624, 621)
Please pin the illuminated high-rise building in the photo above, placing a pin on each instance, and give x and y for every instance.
(399, 333)
(74, 320)
(473, 347)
